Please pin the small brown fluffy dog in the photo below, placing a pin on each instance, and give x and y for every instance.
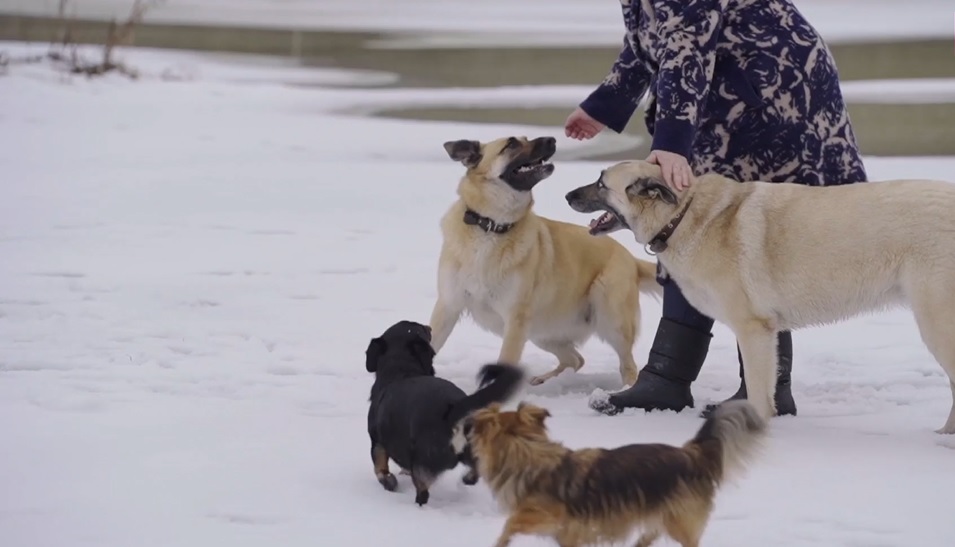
(597, 495)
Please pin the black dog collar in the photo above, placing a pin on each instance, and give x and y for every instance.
(473, 219)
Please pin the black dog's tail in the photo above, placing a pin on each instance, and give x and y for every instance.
(498, 382)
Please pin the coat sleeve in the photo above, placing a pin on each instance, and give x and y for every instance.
(688, 31)
(616, 98)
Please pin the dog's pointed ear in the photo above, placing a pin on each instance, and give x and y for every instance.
(376, 347)
(652, 188)
(465, 151)
(533, 413)
(424, 353)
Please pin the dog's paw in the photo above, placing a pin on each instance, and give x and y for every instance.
(538, 380)
(389, 482)
(470, 478)
(600, 402)
(422, 497)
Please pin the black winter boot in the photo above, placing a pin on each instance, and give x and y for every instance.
(675, 361)
(785, 404)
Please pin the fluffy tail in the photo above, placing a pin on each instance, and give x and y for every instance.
(730, 439)
(497, 383)
(647, 278)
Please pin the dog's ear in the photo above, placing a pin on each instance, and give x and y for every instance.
(652, 188)
(424, 353)
(376, 347)
(533, 413)
(465, 151)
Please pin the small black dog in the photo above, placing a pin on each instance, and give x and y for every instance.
(413, 414)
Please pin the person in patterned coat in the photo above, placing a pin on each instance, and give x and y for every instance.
(744, 88)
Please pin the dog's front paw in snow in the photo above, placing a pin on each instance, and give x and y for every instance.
(600, 402)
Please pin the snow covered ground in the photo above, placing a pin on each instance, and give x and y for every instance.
(191, 267)
(499, 22)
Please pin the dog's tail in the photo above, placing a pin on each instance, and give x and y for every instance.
(647, 278)
(498, 382)
(729, 440)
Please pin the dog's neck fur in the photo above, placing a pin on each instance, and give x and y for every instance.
(496, 202)
(711, 196)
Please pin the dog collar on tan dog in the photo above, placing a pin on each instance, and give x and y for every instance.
(473, 219)
(659, 242)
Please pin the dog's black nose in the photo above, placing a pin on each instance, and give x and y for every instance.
(571, 196)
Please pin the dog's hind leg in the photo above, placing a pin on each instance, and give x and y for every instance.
(529, 521)
(757, 341)
(380, 459)
(422, 480)
(933, 315)
(687, 526)
(567, 358)
(617, 319)
(647, 538)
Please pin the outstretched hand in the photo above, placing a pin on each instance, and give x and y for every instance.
(580, 126)
(676, 170)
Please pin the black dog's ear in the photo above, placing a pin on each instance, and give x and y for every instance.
(424, 353)
(465, 151)
(653, 188)
(376, 347)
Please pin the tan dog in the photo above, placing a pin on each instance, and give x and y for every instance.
(591, 495)
(529, 278)
(763, 257)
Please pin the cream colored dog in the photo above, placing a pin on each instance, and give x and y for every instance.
(529, 278)
(763, 257)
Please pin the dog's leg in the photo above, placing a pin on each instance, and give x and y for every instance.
(648, 538)
(515, 335)
(528, 521)
(949, 427)
(686, 528)
(467, 458)
(933, 315)
(422, 480)
(618, 323)
(567, 358)
(380, 459)
(757, 341)
(444, 316)
(471, 477)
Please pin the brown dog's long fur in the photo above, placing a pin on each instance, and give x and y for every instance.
(595, 495)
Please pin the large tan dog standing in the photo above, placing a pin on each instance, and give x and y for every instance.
(529, 278)
(762, 257)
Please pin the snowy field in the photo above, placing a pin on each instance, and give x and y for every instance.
(191, 267)
(466, 23)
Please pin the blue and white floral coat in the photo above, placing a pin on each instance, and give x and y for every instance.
(746, 88)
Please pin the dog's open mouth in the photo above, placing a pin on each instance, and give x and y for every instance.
(606, 223)
(534, 166)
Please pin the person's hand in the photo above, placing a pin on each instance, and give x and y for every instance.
(580, 126)
(676, 170)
